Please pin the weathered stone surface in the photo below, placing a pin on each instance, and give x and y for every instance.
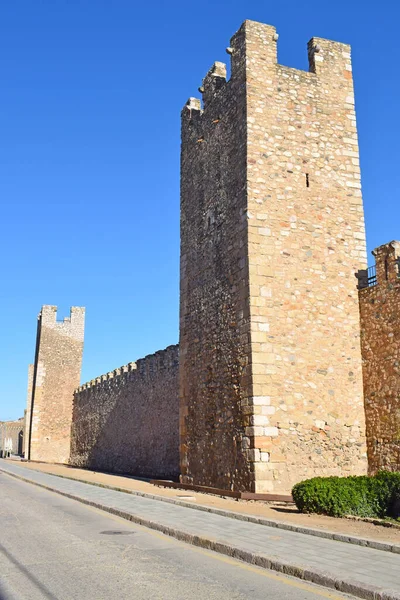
(128, 420)
(57, 370)
(380, 335)
(272, 233)
(27, 416)
(12, 436)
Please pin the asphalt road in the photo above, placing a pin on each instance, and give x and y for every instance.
(53, 548)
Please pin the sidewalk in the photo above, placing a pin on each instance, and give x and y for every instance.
(278, 515)
(361, 571)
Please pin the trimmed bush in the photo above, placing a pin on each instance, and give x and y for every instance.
(362, 496)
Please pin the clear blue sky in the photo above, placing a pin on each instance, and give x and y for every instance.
(91, 93)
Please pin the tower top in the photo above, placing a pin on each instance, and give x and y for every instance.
(325, 57)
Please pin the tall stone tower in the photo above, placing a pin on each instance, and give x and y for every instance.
(272, 233)
(57, 370)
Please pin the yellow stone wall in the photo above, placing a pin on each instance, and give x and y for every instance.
(56, 375)
(272, 234)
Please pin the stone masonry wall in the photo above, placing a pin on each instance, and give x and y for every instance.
(128, 420)
(11, 436)
(57, 371)
(272, 233)
(380, 341)
(27, 421)
(306, 242)
(214, 310)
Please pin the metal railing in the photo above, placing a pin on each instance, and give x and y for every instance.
(390, 271)
(371, 277)
(366, 278)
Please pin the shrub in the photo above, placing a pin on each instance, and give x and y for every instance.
(362, 496)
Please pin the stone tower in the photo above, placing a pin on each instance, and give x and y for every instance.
(57, 371)
(272, 233)
(27, 420)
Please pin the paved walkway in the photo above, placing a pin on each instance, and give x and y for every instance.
(273, 514)
(363, 571)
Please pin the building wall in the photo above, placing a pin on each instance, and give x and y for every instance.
(306, 242)
(27, 420)
(380, 340)
(11, 436)
(272, 233)
(57, 369)
(214, 313)
(128, 420)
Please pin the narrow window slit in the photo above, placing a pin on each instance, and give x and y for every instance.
(307, 180)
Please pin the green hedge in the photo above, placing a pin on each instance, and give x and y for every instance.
(362, 496)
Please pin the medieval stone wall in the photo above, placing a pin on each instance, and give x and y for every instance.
(214, 312)
(272, 233)
(270, 358)
(11, 436)
(127, 421)
(306, 241)
(57, 370)
(27, 420)
(380, 339)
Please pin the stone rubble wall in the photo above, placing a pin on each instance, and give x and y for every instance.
(127, 421)
(214, 314)
(380, 342)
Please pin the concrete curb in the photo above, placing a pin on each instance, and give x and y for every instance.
(329, 535)
(347, 586)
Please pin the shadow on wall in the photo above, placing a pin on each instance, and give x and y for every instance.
(128, 421)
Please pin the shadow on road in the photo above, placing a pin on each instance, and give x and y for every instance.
(9, 595)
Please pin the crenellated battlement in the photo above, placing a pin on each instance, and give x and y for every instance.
(386, 270)
(214, 81)
(127, 420)
(71, 326)
(48, 315)
(149, 364)
(255, 44)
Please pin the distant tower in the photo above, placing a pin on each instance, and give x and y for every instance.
(272, 233)
(57, 370)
